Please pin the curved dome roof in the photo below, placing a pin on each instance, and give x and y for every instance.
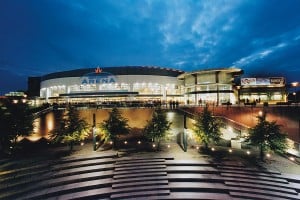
(124, 70)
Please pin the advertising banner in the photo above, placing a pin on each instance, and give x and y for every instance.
(262, 81)
(248, 81)
(277, 80)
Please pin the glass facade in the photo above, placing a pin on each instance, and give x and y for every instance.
(210, 86)
(213, 86)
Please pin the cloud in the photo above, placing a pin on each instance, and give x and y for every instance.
(39, 37)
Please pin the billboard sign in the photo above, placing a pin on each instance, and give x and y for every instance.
(277, 80)
(262, 81)
(248, 81)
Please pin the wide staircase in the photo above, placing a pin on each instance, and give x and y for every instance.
(148, 176)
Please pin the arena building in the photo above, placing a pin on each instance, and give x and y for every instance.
(154, 84)
(111, 84)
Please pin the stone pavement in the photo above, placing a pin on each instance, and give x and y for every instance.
(274, 162)
(167, 174)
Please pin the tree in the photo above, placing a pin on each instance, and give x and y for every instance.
(114, 126)
(16, 121)
(71, 129)
(267, 136)
(207, 127)
(157, 127)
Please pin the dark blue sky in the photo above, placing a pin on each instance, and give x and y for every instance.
(43, 36)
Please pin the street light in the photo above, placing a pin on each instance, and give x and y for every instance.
(94, 132)
(238, 87)
(295, 95)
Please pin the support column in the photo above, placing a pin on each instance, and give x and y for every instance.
(217, 83)
(195, 89)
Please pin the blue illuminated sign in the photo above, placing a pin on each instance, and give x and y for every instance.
(98, 77)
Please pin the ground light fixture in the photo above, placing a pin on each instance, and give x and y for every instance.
(230, 150)
(248, 152)
(139, 142)
(110, 142)
(125, 142)
(268, 155)
(213, 149)
(169, 146)
(153, 145)
(82, 143)
(292, 158)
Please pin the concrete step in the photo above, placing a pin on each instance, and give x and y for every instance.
(198, 186)
(87, 169)
(195, 177)
(99, 193)
(70, 188)
(42, 183)
(243, 176)
(188, 195)
(83, 158)
(192, 169)
(119, 169)
(258, 181)
(250, 195)
(138, 160)
(188, 163)
(76, 164)
(140, 179)
(259, 186)
(143, 174)
(144, 194)
(140, 183)
(262, 192)
(252, 173)
(237, 168)
(123, 165)
(138, 171)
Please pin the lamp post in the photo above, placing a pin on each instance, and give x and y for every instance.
(238, 93)
(184, 134)
(295, 96)
(94, 132)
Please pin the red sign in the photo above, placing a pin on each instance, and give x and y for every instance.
(98, 70)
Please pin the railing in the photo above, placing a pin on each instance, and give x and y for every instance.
(234, 124)
(41, 112)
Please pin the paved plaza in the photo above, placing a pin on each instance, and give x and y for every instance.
(167, 174)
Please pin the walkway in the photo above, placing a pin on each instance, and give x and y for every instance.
(169, 174)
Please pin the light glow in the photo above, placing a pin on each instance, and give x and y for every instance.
(292, 158)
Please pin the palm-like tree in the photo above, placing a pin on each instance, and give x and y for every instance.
(207, 127)
(267, 136)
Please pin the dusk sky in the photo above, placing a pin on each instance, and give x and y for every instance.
(37, 37)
